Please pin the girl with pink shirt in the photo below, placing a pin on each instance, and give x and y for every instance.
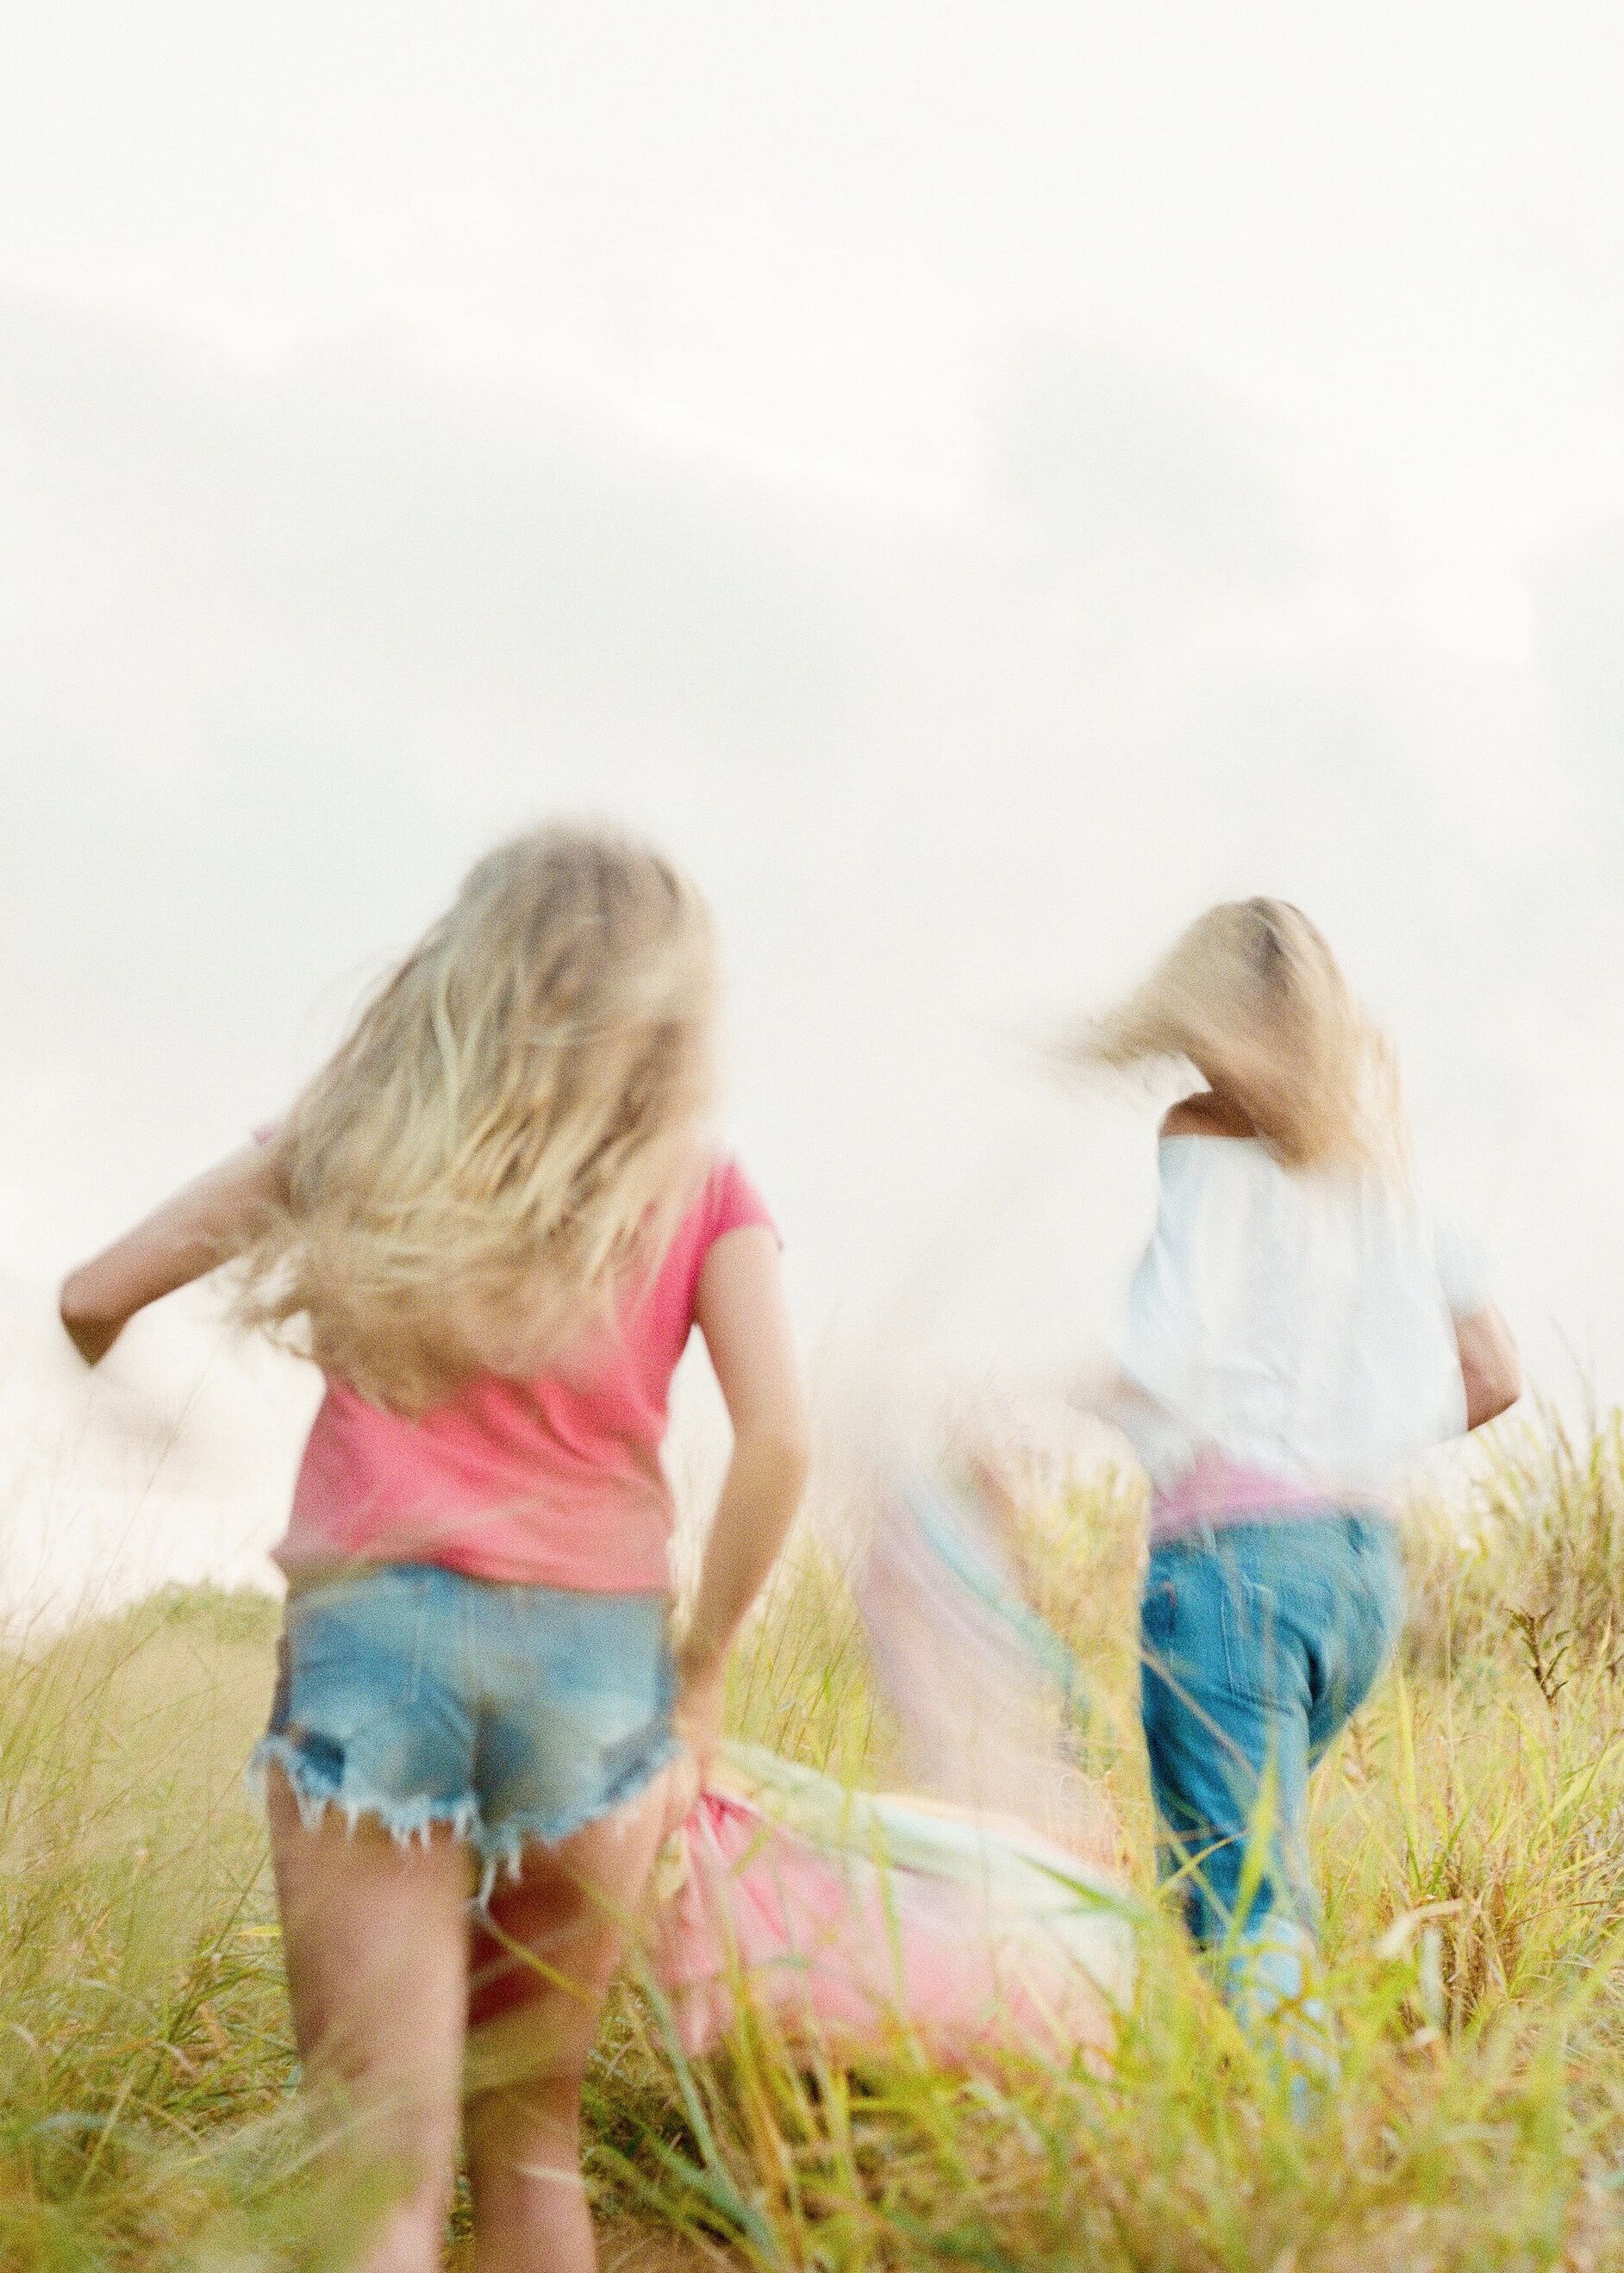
(497, 1217)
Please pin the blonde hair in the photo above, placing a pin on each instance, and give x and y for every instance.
(1253, 997)
(507, 1136)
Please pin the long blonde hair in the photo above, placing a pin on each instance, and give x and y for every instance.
(1253, 997)
(507, 1136)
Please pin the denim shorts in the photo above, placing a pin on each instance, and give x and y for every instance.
(417, 1696)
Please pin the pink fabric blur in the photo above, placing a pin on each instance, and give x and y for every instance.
(846, 1951)
(884, 1921)
(551, 1482)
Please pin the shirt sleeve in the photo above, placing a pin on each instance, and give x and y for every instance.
(1463, 1266)
(734, 1203)
(1156, 1345)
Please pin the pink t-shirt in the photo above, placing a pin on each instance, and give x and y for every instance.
(553, 1481)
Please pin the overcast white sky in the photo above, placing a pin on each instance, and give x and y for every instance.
(978, 481)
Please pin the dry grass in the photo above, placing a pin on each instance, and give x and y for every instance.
(1470, 1835)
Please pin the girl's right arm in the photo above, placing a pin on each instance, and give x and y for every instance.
(1490, 1366)
(742, 1313)
(202, 1226)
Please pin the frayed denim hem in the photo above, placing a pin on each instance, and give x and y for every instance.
(499, 1852)
(404, 1819)
(502, 1852)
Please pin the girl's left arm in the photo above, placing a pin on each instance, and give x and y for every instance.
(204, 1225)
(742, 1314)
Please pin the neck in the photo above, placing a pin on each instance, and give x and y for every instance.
(1214, 1110)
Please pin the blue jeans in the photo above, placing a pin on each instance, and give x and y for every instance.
(1259, 1641)
(415, 1696)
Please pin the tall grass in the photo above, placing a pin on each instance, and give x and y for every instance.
(1470, 1837)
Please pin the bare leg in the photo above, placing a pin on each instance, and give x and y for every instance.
(578, 1902)
(375, 1937)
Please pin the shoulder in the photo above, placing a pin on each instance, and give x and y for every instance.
(719, 1198)
(727, 1199)
(1206, 1116)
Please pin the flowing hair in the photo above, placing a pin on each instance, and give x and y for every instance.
(1253, 997)
(507, 1140)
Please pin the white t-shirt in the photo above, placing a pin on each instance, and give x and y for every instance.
(1293, 1325)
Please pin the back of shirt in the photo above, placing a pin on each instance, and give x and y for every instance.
(1294, 1330)
(552, 1480)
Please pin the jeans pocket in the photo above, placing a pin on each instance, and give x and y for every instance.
(1253, 1639)
(358, 1649)
(435, 1628)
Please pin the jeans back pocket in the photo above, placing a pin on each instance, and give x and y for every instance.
(1256, 1640)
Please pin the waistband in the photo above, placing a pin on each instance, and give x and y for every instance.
(324, 1577)
(1208, 1537)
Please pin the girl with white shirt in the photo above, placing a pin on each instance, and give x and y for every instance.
(1299, 1328)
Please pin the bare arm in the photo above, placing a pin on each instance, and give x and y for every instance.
(203, 1225)
(743, 1317)
(1490, 1366)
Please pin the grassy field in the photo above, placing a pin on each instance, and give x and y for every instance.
(1470, 1837)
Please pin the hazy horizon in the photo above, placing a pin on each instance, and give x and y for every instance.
(977, 485)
